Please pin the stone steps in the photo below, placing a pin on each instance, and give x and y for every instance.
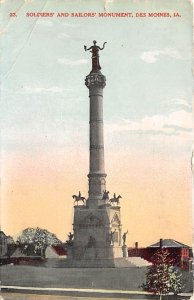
(122, 262)
(138, 261)
(119, 262)
(90, 263)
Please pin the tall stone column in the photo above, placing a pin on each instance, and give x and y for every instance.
(97, 184)
(96, 225)
(96, 82)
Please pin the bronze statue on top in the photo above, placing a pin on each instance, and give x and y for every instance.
(115, 199)
(79, 198)
(95, 55)
(105, 195)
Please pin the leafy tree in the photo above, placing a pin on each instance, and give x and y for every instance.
(175, 281)
(33, 241)
(10, 240)
(162, 277)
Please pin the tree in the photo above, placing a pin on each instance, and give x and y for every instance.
(33, 241)
(10, 240)
(162, 277)
(175, 281)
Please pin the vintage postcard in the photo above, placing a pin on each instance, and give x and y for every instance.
(96, 147)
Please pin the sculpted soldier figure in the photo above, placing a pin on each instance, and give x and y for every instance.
(70, 239)
(115, 199)
(91, 242)
(105, 195)
(111, 237)
(124, 237)
(70, 236)
(79, 198)
(95, 56)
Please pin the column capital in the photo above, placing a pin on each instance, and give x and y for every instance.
(95, 80)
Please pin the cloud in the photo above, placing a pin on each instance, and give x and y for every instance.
(69, 62)
(175, 123)
(182, 103)
(178, 128)
(152, 56)
(38, 90)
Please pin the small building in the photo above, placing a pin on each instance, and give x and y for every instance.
(18, 257)
(179, 252)
(3, 244)
(55, 251)
(136, 251)
(55, 256)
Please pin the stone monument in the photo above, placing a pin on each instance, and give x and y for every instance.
(97, 221)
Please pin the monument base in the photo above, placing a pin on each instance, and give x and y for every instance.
(125, 251)
(97, 235)
(95, 253)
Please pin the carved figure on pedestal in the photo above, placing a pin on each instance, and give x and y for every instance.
(111, 237)
(124, 237)
(115, 199)
(95, 56)
(91, 242)
(105, 195)
(69, 242)
(79, 198)
(70, 236)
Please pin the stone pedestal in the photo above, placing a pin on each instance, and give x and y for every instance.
(125, 251)
(92, 231)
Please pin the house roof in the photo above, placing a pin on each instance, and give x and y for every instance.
(18, 253)
(2, 234)
(11, 249)
(59, 249)
(169, 243)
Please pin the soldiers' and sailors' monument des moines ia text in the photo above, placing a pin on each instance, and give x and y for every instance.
(97, 230)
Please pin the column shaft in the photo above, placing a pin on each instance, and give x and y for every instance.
(97, 183)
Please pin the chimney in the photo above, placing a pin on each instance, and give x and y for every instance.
(136, 245)
(161, 243)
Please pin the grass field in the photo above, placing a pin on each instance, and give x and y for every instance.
(100, 278)
(122, 279)
(13, 296)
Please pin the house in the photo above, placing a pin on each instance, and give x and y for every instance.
(136, 251)
(3, 244)
(18, 257)
(55, 256)
(180, 252)
(55, 251)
